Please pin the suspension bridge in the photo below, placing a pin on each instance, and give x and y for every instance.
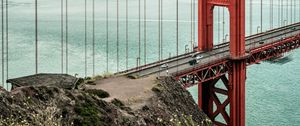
(208, 56)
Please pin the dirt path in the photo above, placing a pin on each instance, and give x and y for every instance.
(133, 92)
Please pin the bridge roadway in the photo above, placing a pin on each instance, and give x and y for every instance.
(221, 51)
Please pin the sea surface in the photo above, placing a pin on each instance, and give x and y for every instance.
(272, 97)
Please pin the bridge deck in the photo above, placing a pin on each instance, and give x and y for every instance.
(180, 63)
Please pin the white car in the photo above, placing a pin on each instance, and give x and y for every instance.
(198, 58)
(164, 66)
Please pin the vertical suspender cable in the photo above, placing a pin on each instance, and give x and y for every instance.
(93, 37)
(126, 34)
(287, 11)
(261, 15)
(281, 15)
(145, 32)
(161, 31)
(2, 51)
(291, 11)
(295, 12)
(67, 39)
(177, 31)
(295, 5)
(271, 14)
(139, 30)
(7, 43)
(85, 40)
(191, 24)
(223, 23)
(107, 36)
(250, 17)
(36, 37)
(62, 35)
(218, 25)
(194, 25)
(251, 20)
(117, 35)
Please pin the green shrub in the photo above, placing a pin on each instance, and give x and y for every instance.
(117, 103)
(157, 88)
(98, 92)
(89, 113)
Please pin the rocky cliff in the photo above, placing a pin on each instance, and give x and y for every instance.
(45, 105)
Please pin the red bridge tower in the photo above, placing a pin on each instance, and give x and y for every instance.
(237, 73)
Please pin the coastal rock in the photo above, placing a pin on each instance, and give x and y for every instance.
(45, 105)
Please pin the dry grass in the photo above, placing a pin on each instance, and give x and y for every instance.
(45, 116)
(188, 121)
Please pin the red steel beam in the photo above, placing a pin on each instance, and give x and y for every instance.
(237, 71)
(219, 2)
(205, 26)
(207, 76)
(289, 44)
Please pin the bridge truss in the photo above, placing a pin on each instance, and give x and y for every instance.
(207, 76)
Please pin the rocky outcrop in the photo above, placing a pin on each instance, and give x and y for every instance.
(44, 105)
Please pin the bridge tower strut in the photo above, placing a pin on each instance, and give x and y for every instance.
(235, 85)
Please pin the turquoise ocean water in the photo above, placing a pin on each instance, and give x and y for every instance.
(272, 89)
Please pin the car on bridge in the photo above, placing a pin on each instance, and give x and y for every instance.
(196, 59)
